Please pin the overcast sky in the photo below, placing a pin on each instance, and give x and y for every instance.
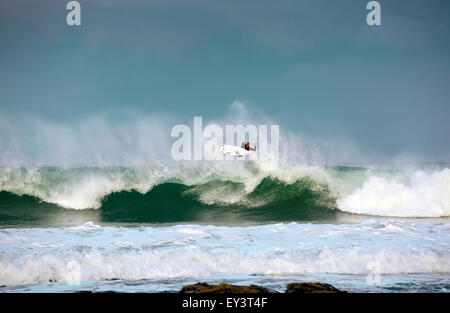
(315, 67)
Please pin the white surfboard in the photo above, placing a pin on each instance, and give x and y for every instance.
(233, 150)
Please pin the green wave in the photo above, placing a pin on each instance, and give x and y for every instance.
(30, 211)
(272, 200)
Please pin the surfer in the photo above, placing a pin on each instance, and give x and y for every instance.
(247, 147)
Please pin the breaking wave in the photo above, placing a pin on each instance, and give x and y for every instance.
(231, 190)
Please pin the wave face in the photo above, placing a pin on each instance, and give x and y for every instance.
(223, 191)
(271, 200)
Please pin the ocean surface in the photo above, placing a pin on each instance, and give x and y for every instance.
(156, 228)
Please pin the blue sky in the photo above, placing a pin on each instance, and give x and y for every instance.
(315, 67)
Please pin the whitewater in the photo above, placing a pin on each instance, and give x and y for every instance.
(156, 228)
(142, 257)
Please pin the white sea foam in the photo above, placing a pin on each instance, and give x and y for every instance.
(424, 195)
(165, 252)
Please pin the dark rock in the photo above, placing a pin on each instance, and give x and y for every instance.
(291, 288)
(223, 288)
(311, 288)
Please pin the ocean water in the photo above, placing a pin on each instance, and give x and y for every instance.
(157, 228)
